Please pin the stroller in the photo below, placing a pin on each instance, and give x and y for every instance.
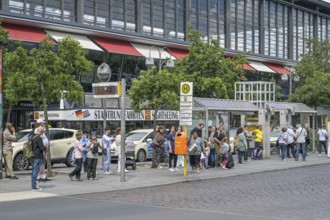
(130, 155)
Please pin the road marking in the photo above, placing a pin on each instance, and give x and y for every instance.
(25, 195)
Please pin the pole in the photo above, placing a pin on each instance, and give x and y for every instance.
(290, 84)
(1, 115)
(104, 122)
(185, 155)
(122, 130)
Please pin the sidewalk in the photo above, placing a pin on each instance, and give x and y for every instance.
(143, 176)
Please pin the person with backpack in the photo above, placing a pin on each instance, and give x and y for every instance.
(219, 136)
(38, 156)
(78, 153)
(283, 141)
(92, 157)
(301, 135)
(322, 134)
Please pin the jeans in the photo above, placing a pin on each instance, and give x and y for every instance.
(36, 164)
(283, 150)
(91, 167)
(240, 156)
(106, 160)
(206, 161)
(173, 157)
(77, 170)
(212, 157)
(290, 146)
(303, 147)
(324, 144)
(155, 157)
(252, 153)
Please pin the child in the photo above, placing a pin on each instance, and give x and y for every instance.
(207, 153)
(203, 160)
(224, 152)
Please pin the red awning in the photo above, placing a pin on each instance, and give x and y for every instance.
(278, 68)
(116, 46)
(177, 53)
(248, 67)
(28, 34)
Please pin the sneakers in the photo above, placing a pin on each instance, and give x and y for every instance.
(197, 171)
(37, 188)
(126, 171)
(71, 178)
(95, 179)
(171, 169)
(13, 178)
(160, 167)
(320, 155)
(176, 169)
(108, 173)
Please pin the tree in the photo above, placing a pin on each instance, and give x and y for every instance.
(314, 73)
(155, 90)
(45, 75)
(212, 73)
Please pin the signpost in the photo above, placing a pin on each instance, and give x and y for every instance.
(186, 104)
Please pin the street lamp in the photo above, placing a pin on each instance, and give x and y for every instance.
(151, 62)
(292, 77)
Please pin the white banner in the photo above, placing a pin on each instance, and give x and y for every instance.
(111, 115)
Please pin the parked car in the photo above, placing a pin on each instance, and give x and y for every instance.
(61, 142)
(139, 137)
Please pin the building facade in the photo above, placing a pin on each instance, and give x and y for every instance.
(123, 33)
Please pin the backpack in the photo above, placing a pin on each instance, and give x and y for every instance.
(28, 151)
(230, 163)
(95, 148)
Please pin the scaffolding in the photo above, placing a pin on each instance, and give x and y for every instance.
(257, 92)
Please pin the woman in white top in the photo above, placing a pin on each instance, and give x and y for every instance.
(323, 136)
(78, 154)
(118, 149)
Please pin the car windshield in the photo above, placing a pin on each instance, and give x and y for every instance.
(22, 136)
(136, 136)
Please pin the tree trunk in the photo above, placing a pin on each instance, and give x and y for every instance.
(44, 102)
(155, 121)
(9, 112)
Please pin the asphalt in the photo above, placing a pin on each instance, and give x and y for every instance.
(143, 176)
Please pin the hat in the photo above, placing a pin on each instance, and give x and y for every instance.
(40, 121)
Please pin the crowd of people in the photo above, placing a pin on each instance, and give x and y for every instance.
(214, 150)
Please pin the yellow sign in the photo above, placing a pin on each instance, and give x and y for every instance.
(185, 88)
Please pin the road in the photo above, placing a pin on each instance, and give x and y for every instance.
(301, 193)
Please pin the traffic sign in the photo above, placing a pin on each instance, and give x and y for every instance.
(186, 89)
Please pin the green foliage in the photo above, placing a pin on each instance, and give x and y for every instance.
(155, 90)
(314, 73)
(213, 75)
(42, 74)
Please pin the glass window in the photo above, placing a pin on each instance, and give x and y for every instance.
(255, 34)
(202, 23)
(213, 20)
(146, 17)
(69, 134)
(103, 14)
(181, 20)
(34, 8)
(170, 19)
(116, 64)
(233, 19)
(89, 16)
(240, 26)
(16, 6)
(221, 21)
(130, 15)
(193, 14)
(249, 25)
(53, 10)
(69, 13)
(56, 135)
(158, 19)
(117, 8)
(132, 67)
(97, 57)
(272, 29)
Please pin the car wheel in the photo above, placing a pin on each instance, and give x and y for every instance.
(20, 162)
(69, 161)
(141, 156)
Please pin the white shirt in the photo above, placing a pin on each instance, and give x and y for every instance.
(291, 135)
(322, 134)
(282, 139)
(106, 141)
(301, 135)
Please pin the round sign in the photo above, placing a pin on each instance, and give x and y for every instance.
(185, 88)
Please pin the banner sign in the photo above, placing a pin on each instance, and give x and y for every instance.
(111, 115)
